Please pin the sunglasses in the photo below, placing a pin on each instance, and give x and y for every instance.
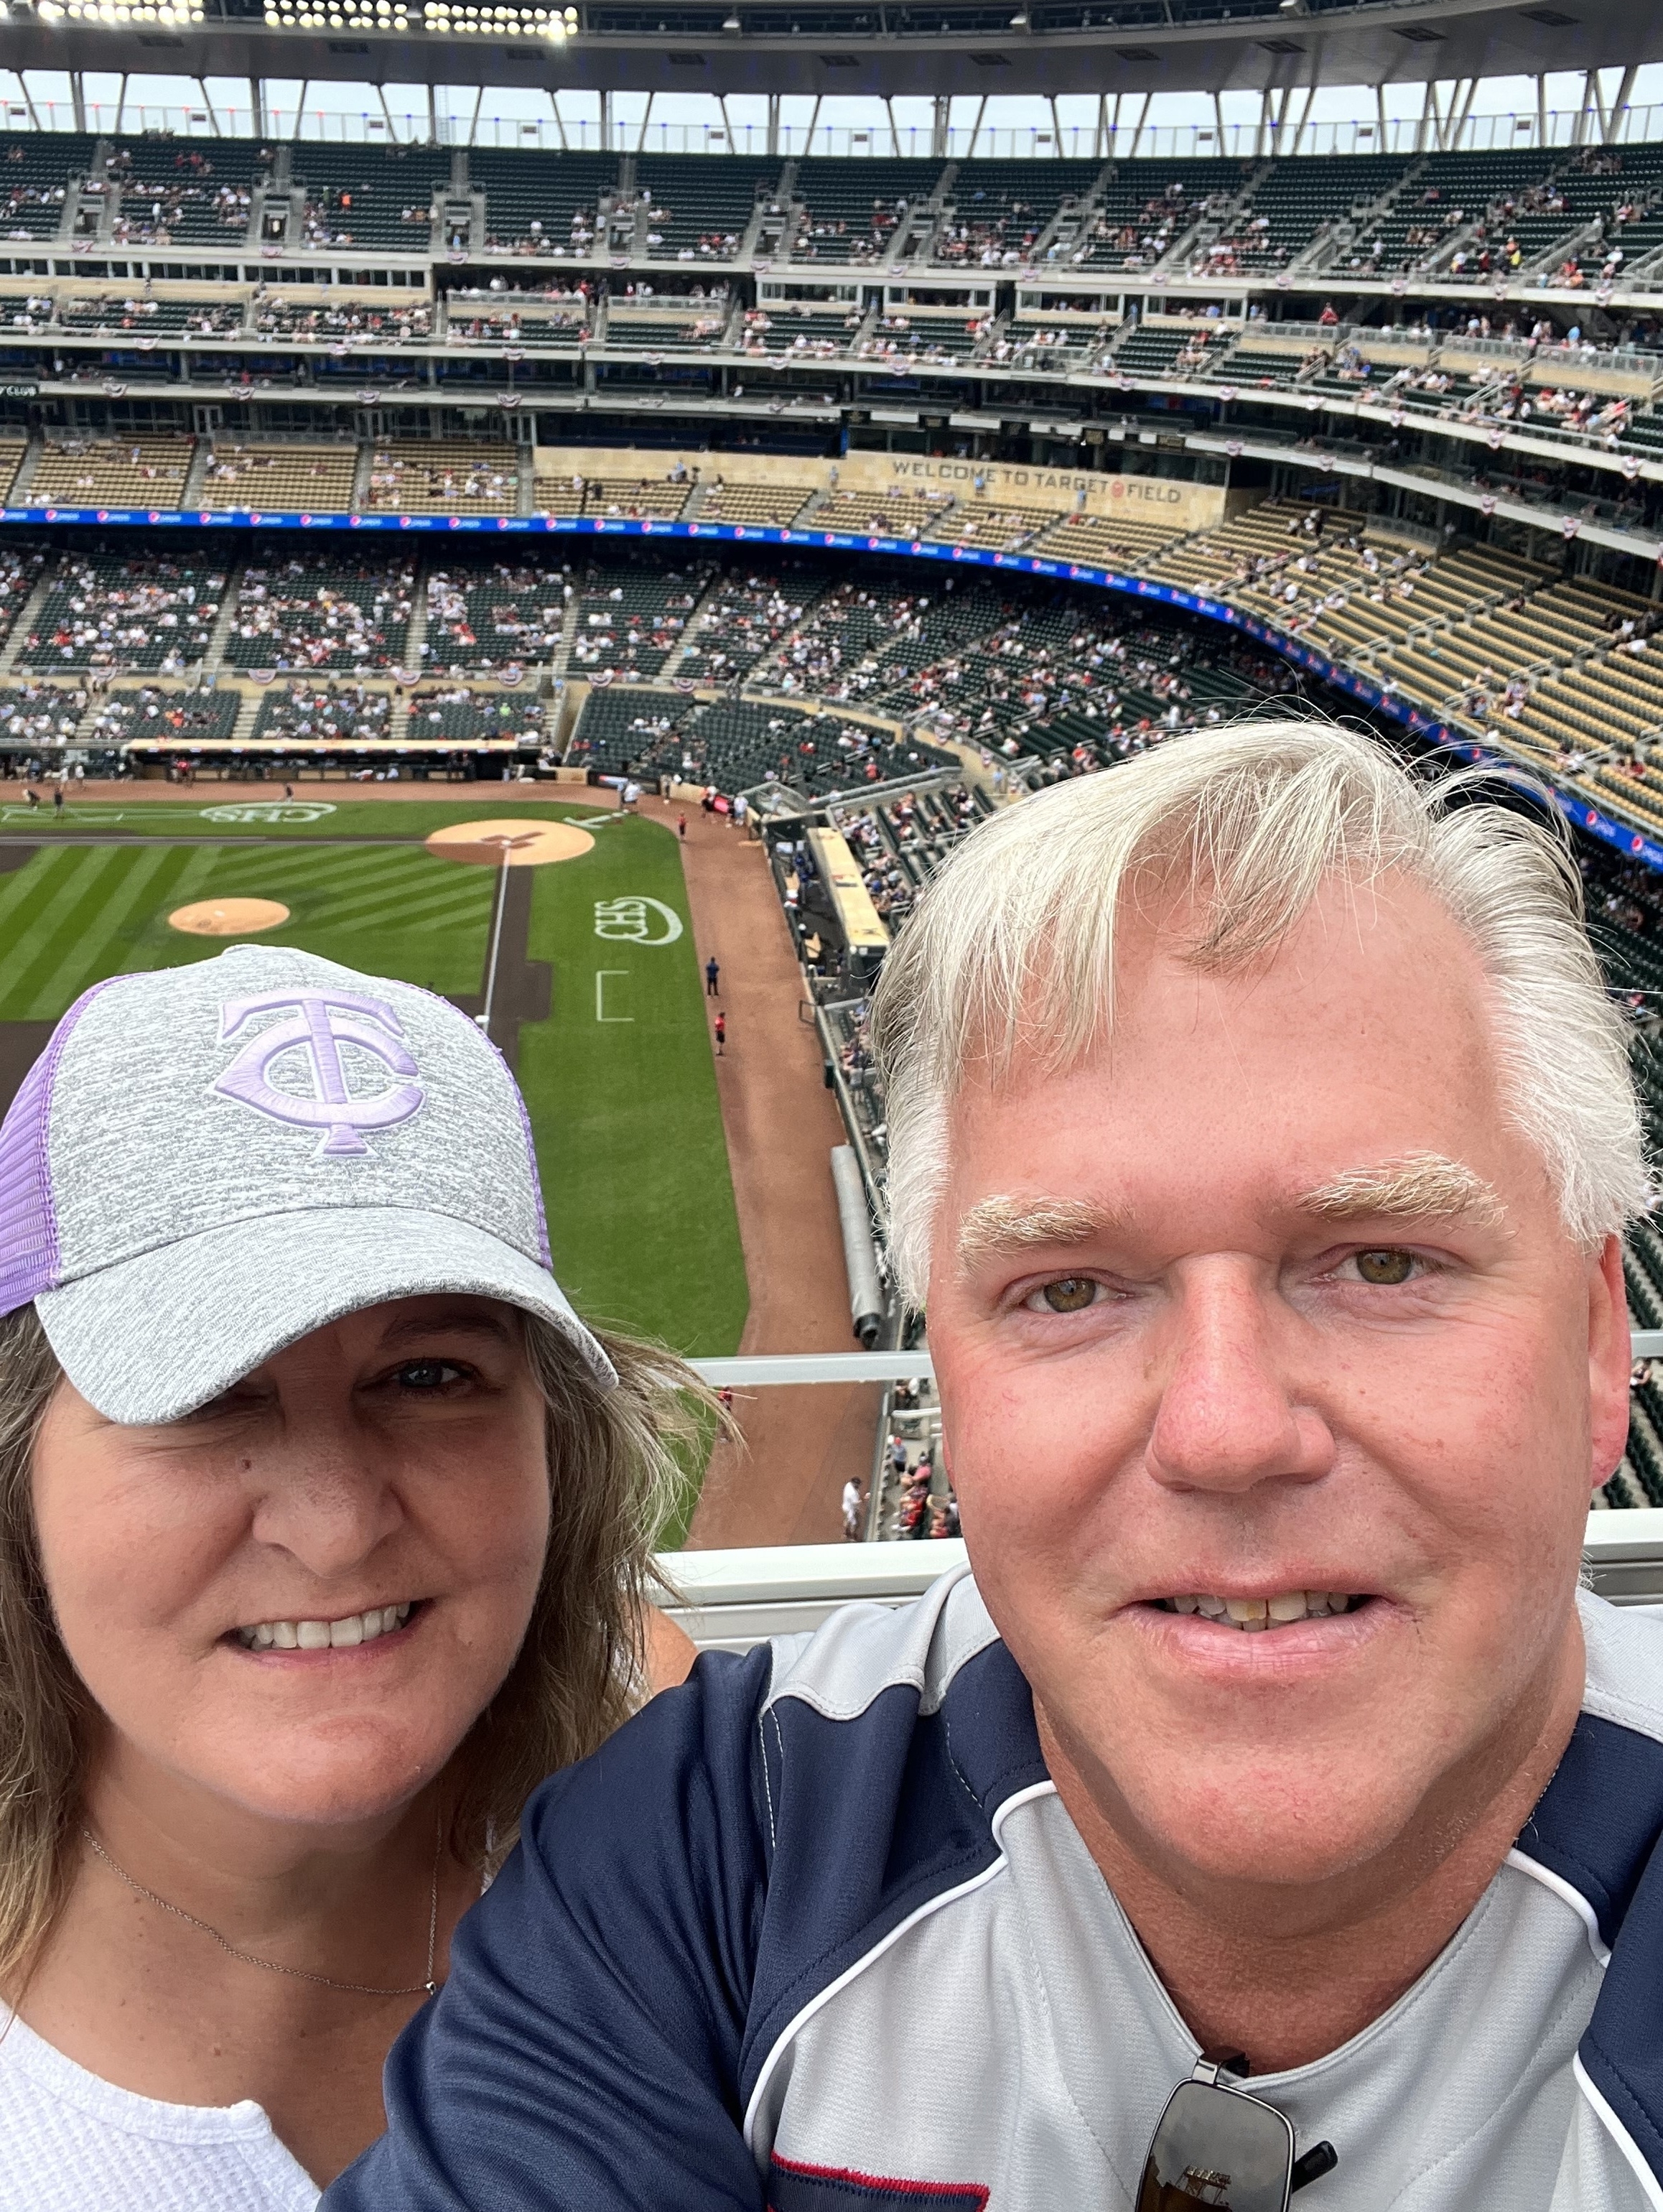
(1216, 2146)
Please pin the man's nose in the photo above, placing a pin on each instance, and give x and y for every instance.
(1229, 1416)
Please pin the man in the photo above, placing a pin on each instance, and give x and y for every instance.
(852, 1503)
(1260, 1133)
(712, 976)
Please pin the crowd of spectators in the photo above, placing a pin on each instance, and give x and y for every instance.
(299, 322)
(330, 713)
(105, 611)
(23, 198)
(40, 714)
(299, 614)
(153, 713)
(511, 612)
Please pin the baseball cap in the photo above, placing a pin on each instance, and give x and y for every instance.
(208, 1162)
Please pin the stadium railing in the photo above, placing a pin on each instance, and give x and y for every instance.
(731, 1600)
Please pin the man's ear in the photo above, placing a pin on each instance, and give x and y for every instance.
(1610, 1358)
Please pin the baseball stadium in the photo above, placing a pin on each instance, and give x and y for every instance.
(831, 1105)
(584, 510)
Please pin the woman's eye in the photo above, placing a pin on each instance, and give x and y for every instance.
(1387, 1266)
(427, 1374)
(1068, 1294)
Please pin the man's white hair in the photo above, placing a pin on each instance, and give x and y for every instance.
(1014, 941)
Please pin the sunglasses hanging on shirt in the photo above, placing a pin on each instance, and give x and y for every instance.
(1216, 2146)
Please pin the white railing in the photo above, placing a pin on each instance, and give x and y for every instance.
(376, 125)
(729, 1601)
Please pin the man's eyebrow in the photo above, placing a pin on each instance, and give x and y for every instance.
(1417, 1187)
(996, 1227)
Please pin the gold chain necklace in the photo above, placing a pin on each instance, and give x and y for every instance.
(272, 1965)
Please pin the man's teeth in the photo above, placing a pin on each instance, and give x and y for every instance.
(323, 1635)
(1256, 1613)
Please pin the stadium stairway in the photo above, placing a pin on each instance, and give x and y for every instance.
(25, 618)
(247, 715)
(214, 654)
(25, 469)
(696, 619)
(415, 633)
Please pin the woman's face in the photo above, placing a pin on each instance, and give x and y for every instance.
(211, 1577)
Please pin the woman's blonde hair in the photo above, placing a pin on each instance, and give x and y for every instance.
(617, 1461)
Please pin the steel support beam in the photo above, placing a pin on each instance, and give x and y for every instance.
(938, 121)
(1619, 106)
(1579, 137)
(1429, 110)
(774, 126)
(78, 99)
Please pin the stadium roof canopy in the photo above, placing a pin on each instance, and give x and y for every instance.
(937, 47)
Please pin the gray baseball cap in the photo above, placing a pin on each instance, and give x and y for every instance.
(208, 1162)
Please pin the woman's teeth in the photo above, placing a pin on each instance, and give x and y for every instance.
(324, 1635)
(1254, 1612)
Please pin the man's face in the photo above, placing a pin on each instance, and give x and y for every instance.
(1268, 1298)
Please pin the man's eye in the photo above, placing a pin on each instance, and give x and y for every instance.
(1387, 1266)
(427, 1374)
(1068, 1294)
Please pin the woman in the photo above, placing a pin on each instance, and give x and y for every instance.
(324, 1530)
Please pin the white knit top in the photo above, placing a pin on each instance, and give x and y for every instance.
(72, 2142)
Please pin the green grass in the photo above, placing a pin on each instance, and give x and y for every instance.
(624, 1111)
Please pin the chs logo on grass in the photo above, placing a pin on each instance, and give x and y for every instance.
(637, 921)
(270, 810)
(310, 1042)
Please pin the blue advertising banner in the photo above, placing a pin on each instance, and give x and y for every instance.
(1622, 837)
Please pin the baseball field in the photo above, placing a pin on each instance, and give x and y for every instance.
(588, 963)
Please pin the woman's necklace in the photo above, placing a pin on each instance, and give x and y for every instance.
(272, 1965)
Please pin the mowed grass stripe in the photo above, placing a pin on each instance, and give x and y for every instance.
(47, 941)
(471, 903)
(138, 881)
(22, 889)
(141, 883)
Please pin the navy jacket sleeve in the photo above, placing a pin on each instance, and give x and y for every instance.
(584, 2054)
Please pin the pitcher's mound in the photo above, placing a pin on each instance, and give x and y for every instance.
(228, 917)
(524, 844)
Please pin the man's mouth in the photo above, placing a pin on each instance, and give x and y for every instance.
(352, 1629)
(1252, 1614)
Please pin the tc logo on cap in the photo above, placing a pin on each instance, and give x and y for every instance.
(320, 1023)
